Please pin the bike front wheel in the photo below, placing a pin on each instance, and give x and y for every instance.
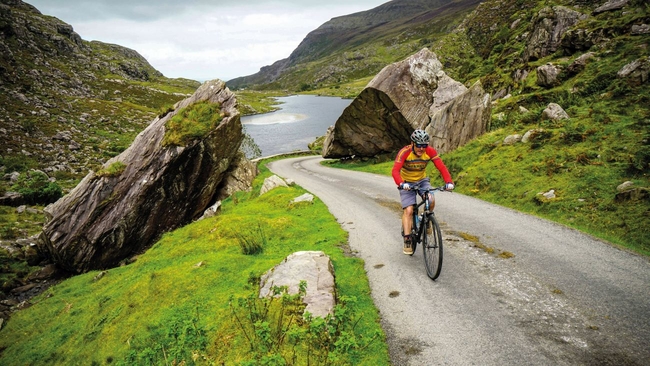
(432, 247)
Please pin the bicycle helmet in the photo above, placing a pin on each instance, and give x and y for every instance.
(420, 137)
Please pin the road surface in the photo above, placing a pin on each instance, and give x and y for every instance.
(564, 298)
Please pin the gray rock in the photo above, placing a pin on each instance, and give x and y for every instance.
(304, 198)
(633, 194)
(638, 30)
(637, 71)
(407, 95)
(314, 267)
(394, 103)
(610, 5)
(13, 199)
(240, 176)
(108, 218)
(272, 182)
(464, 118)
(529, 134)
(211, 211)
(48, 272)
(579, 64)
(625, 186)
(512, 139)
(547, 75)
(554, 112)
(549, 195)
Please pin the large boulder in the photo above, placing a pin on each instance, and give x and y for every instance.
(401, 98)
(371, 124)
(462, 119)
(145, 191)
(382, 116)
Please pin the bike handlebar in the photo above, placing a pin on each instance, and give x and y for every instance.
(433, 189)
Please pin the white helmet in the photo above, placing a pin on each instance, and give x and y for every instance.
(420, 137)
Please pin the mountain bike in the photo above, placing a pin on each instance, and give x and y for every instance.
(426, 231)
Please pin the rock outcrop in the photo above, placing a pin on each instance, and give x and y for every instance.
(407, 95)
(550, 24)
(159, 187)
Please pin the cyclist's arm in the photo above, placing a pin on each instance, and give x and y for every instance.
(397, 166)
(437, 161)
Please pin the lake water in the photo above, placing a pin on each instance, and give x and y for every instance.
(300, 120)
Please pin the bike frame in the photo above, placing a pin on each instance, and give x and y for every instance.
(425, 195)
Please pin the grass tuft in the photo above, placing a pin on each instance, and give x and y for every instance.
(113, 170)
(191, 123)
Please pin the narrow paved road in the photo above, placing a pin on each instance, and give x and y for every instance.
(563, 299)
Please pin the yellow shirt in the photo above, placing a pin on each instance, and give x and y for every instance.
(409, 167)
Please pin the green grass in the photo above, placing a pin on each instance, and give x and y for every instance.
(257, 102)
(113, 170)
(193, 122)
(173, 300)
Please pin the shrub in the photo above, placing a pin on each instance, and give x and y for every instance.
(250, 148)
(18, 163)
(9, 232)
(252, 242)
(178, 342)
(36, 188)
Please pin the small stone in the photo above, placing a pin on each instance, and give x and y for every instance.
(625, 186)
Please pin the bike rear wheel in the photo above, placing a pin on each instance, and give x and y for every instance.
(432, 247)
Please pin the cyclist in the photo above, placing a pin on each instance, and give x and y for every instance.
(409, 170)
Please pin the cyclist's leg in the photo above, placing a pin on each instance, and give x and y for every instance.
(407, 199)
(407, 219)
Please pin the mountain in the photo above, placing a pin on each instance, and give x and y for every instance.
(359, 44)
(66, 104)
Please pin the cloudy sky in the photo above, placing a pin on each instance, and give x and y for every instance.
(202, 39)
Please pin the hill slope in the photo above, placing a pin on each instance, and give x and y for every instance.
(66, 104)
(360, 44)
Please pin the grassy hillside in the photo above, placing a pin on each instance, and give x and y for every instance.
(583, 159)
(176, 303)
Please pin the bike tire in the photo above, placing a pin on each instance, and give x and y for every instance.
(432, 247)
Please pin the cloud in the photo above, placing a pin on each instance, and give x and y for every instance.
(201, 39)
